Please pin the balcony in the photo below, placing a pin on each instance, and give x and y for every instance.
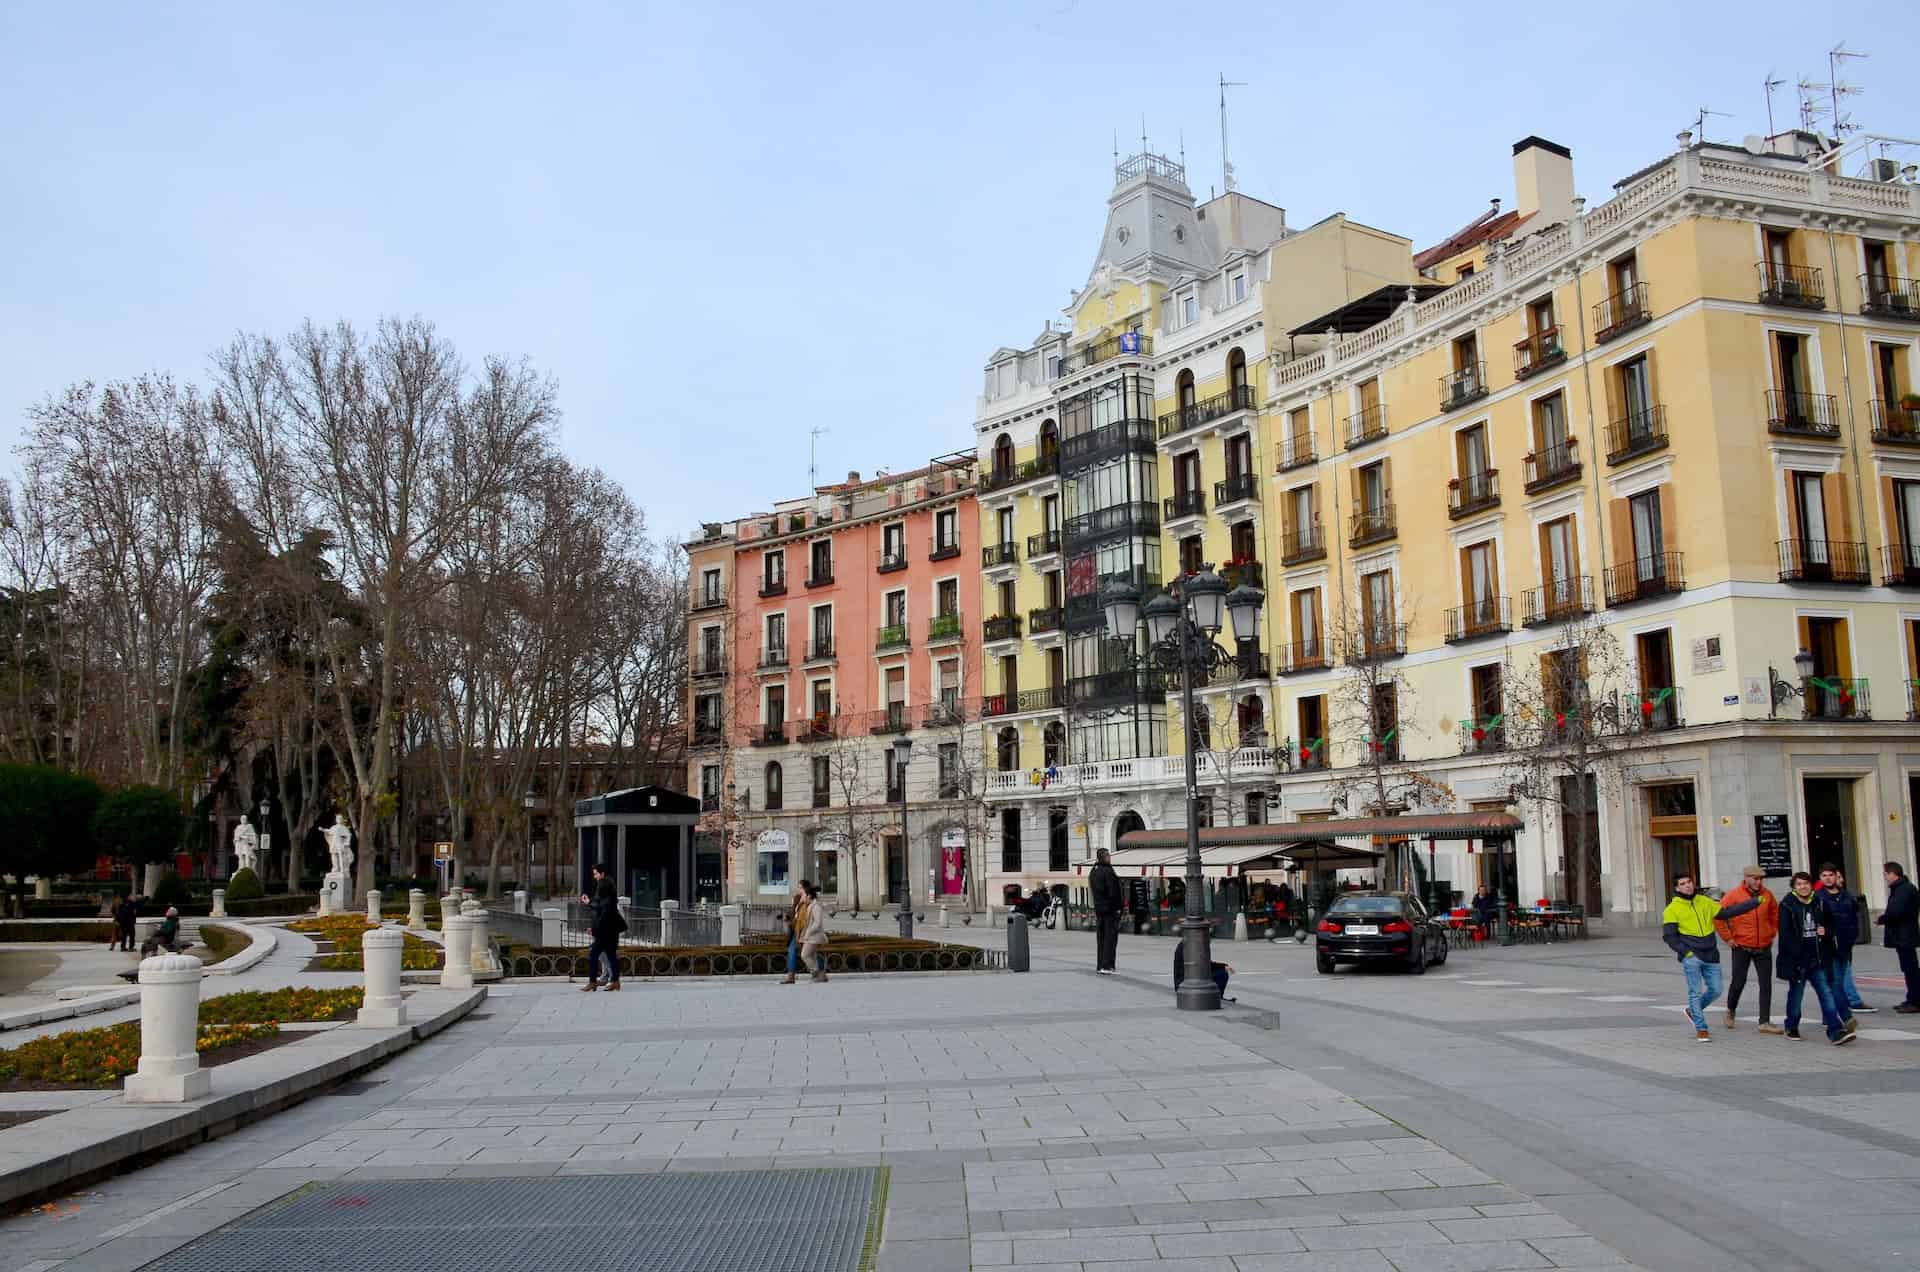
(770, 735)
(1378, 639)
(892, 636)
(1640, 432)
(1475, 492)
(1483, 737)
(1131, 344)
(1042, 622)
(1369, 425)
(822, 577)
(1897, 423)
(1109, 688)
(1308, 543)
(706, 733)
(943, 627)
(1121, 519)
(890, 719)
(1555, 466)
(1046, 543)
(1239, 488)
(939, 549)
(1835, 698)
(1653, 710)
(1032, 470)
(1248, 663)
(1822, 561)
(822, 726)
(1372, 525)
(1557, 601)
(819, 649)
(1295, 452)
(1243, 574)
(711, 602)
(1885, 296)
(1488, 616)
(1301, 655)
(1793, 286)
(1188, 503)
(945, 713)
(773, 586)
(1052, 698)
(1621, 312)
(773, 656)
(1000, 627)
(996, 555)
(1802, 415)
(1123, 437)
(1468, 384)
(709, 664)
(1537, 352)
(1238, 398)
(1645, 578)
(1900, 565)
(889, 560)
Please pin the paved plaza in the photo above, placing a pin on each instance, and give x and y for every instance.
(1540, 1107)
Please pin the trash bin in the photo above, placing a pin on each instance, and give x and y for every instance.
(1018, 959)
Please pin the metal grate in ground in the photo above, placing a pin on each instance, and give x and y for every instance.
(749, 1221)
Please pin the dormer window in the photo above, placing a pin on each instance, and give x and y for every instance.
(1189, 309)
(1237, 288)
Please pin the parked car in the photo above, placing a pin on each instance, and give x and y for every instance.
(1375, 927)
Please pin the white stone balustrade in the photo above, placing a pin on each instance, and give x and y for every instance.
(457, 931)
(169, 1071)
(416, 909)
(380, 954)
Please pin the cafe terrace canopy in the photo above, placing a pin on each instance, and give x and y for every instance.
(1229, 851)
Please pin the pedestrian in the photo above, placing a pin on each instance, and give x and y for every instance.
(1687, 928)
(1901, 919)
(795, 905)
(1222, 972)
(166, 937)
(1106, 913)
(125, 913)
(1750, 937)
(1484, 907)
(1806, 958)
(1844, 909)
(606, 926)
(813, 932)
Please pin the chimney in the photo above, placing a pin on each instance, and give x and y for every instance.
(1543, 180)
(853, 479)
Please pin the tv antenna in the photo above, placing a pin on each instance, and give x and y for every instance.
(1226, 165)
(1700, 121)
(813, 467)
(1836, 89)
(1771, 83)
(1810, 108)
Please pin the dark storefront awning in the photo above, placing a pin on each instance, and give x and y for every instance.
(1278, 836)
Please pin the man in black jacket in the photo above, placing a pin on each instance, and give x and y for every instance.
(1901, 919)
(1106, 913)
(608, 924)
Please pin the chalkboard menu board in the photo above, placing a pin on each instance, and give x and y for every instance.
(1775, 844)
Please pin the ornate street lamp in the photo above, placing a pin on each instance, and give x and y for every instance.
(902, 752)
(1180, 641)
(1780, 692)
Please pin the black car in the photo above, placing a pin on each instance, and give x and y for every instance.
(1375, 927)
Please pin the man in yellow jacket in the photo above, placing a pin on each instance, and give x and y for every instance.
(1687, 928)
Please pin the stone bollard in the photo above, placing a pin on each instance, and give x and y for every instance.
(219, 904)
(553, 928)
(458, 930)
(169, 1071)
(416, 909)
(481, 958)
(449, 905)
(380, 954)
(625, 904)
(669, 920)
(943, 917)
(1019, 959)
(43, 889)
(520, 902)
(1240, 926)
(373, 905)
(729, 925)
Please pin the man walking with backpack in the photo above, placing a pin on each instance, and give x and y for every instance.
(1750, 937)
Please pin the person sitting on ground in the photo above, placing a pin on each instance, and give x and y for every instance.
(1221, 971)
(165, 937)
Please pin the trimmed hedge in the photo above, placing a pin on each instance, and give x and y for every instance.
(880, 954)
(76, 931)
(58, 908)
(244, 886)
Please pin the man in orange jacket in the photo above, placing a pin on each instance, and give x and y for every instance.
(1750, 936)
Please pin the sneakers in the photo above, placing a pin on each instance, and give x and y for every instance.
(1860, 1007)
(1794, 1034)
(1103, 971)
(1767, 1027)
(1849, 1024)
(1843, 1039)
(1701, 1035)
(1907, 1009)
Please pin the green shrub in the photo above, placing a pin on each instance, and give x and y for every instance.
(75, 931)
(275, 903)
(171, 890)
(140, 823)
(244, 886)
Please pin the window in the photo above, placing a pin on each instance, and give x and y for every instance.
(1789, 366)
(1237, 371)
(1008, 750)
(773, 568)
(822, 774)
(1906, 507)
(776, 637)
(949, 670)
(946, 595)
(1237, 287)
(1050, 514)
(1200, 735)
(896, 611)
(1053, 741)
(1471, 444)
(1191, 555)
(1299, 511)
(771, 863)
(1312, 715)
(1305, 605)
(1010, 677)
(949, 770)
(1625, 274)
(826, 865)
(1482, 579)
(1466, 362)
(1189, 309)
(1383, 722)
(709, 788)
(1636, 397)
(1550, 434)
(774, 713)
(1487, 706)
(1779, 256)
(1376, 605)
(822, 632)
(822, 700)
(709, 649)
(1540, 316)
(775, 788)
(1559, 565)
(710, 587)
(1373, 489)
(1010, 841)
(1002, 457)
(821, 568)
(1004, 523)
(1203, 810)
(1649, 539)
(895, 775)
(946, 530)
(1239, 455)
(1057, 843)
(1004, 594)
(1886, 372)
(893, 542)
(706, 715)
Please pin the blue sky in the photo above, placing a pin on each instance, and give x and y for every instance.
(719, 226)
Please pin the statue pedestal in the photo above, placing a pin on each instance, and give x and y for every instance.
(334, 891)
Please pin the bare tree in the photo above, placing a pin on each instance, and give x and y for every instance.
(856, 773)
(49, 712)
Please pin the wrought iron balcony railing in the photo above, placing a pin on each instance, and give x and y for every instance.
(1045, 620)
(1046, 543)
(1238, 398)
(1372, 525)
(1309, 654)
(773, 586)
(1131, 344)
(1557, 600)
(939, 549)
(1537, 352)
(1000, 627)
(1553, 466)
(773, 656)
(1368, 425)
(892, 636)
(1639, 432)
(888, 560)
(1306, 543)
(1822, 561)
(1468, 384)
(1621, 312)
(891, 718)
(1474, 492)
(1795, 286)
(1294, 452)
(1897, 423)
(1900, 565)
(995, 555)
(1236, 489)
(1802, 414)
(1187, 503)
(1645, 578)
(1488, 616)
(943, 627)
(1886, 296)
(1046, 465)
(1836, 698)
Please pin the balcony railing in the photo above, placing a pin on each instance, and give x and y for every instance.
(716, 601)
(706, 733)
(1795, 286)
(1248, 664)
(1822, 561)
(1900, 565)
(820, 647)
(1110, 439)
(773, 587)
(1235, 489)
(1127, 685)
(892, 636)
(1295, 452)
(1836, 698)
(820, 727)
(822, 577)
(1044, 620)
(1000, 478)
(1557, 600)
(1638, 433)
(943, 627)
(1368, 425)
(1372, 525)
(709, 664)
(1489, 616)
(1913, 699)
(1237, 398)
(1483, 737)
(1132, 344)
(770, 735)
(1801, 414)
(773, 656)
(939, 549)
(995, 555)
(1468, 384)
(1243, 573)
(891, 718)
(1308, 543)
(1188, 503)
(1554, 466)
(1653, 710)
(1475, 492)
(945, 713)
(1645, 578)
(887, 560)
(1885, 296)
(1052, 698)
(1000, 627)
(1046, 543)
(1896, 423)
(1301, 655)
(1537, 352)
(1126, 518)
(1377, 639)
(1621, 312)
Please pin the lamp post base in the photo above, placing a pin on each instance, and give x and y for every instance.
(1196, 991)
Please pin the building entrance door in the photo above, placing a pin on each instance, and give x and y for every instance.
(1830, 829)
(896, 870)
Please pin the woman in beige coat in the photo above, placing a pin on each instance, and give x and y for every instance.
(813, 931)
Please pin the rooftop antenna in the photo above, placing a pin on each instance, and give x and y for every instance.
(1226, 165)
(1836, 90)
(1700, 122)
(813, 465)
(1810, 108)
(1771, 84)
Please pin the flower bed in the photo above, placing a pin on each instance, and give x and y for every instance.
(851, 954)
(102, 1057)
(347, 931)
(280, 1006)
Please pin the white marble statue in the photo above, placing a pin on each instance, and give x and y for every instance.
(246, 847)
(340, 845)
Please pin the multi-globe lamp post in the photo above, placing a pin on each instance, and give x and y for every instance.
(1182, 623)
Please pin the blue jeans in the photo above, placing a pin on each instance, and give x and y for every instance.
(1842, 974)
(1821, 978)
(793, 955)
(1703, 987)
(604, 951)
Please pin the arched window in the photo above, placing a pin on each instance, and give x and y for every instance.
(1002, 457)
(1252, 721)
(1049, 440)
(1054, 740)
(1125, 822)
(1009, 749)
(1200, 735)
(775, 787)
(1237, 369)
(1183, 391)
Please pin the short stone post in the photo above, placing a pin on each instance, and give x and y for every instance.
(449, 906)
(219, 904)
(553, 928)
(481, 957)
(43, 889)
(1240, 926)
(458, 934)
(382, 1007)
(625, 904)
(669, 916)
(416, 909)
(729, 925)
(943, 917)
(520, 902)
(169, 1071)
(373, 905)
